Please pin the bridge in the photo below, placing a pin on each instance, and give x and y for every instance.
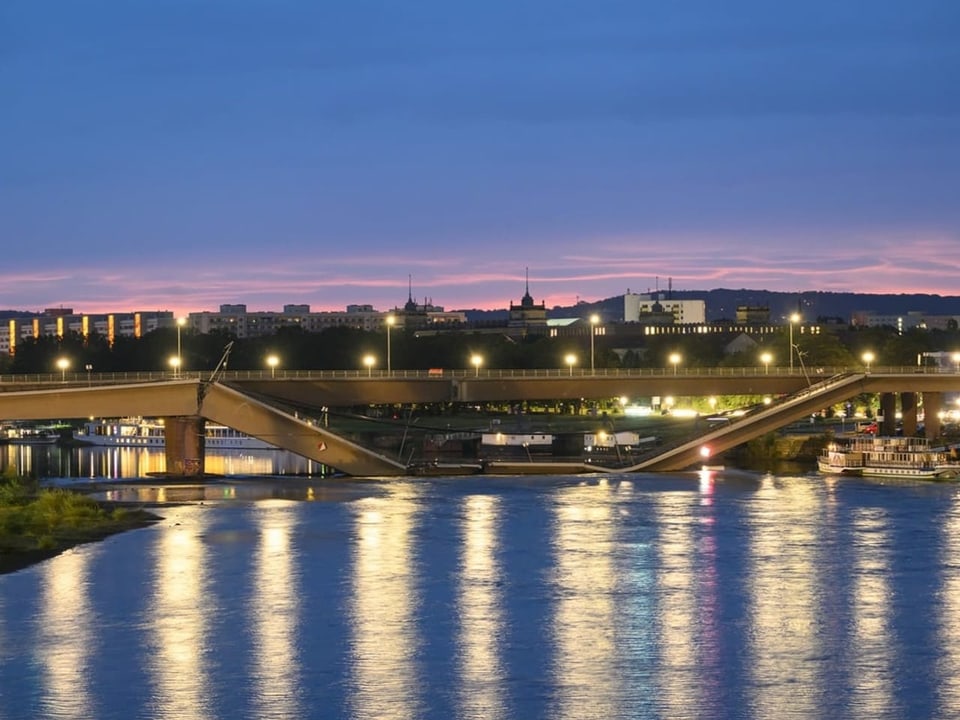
(254, 403)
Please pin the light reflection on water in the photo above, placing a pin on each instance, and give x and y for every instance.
(275, 615)
(584, 624)
(948, 614)
(872, 678)
(64, 645)
(178, 622)
(784, 526)
(663, 597)
(480, 613)
(677, 617)
(385, 638)
(117, 463)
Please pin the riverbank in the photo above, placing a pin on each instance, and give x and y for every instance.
(37, 524)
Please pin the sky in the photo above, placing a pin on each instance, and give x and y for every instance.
(183, 154)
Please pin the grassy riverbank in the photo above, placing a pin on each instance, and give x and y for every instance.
(36, 523)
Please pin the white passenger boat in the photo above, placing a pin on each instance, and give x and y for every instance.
(889, 457)
(141, 432)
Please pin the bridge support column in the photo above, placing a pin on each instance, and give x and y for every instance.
(932, 405)
(888, 409)
(184, 440)
(908, 413)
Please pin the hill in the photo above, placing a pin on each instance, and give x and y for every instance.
(721, 304)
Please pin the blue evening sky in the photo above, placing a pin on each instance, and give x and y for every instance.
(180, 154)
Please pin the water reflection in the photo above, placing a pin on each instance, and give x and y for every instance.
(480, 612)
(948, 616)
(584, 626)
(384, 633)
(65, 640)
(275, 614)
(871, 676)
(117, 463)
(679, 678)
(784, 521)
(178, 621)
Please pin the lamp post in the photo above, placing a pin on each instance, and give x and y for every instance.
(181, 321)
(956, 360)
(675, 360)
(868, 358)
(88, 367)
(272, 362)
(63, 363)
(391, 319)
(175, 364)
(793, 318)
(369, 361)
(594, 321)
(765, 358)
(571, 360)
(476, 361)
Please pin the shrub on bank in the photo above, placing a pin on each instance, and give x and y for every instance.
(47, 521)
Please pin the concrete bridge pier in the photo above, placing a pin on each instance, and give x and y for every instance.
(908, 413)
(184, 441)
(932, 404)
(888, 409)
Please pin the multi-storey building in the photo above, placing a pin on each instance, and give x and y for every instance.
(654, 310)
(60, 322)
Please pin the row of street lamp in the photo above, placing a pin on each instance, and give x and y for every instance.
(370, 361)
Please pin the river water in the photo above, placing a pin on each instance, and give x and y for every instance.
(720, 594)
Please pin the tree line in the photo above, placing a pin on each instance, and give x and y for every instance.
(344, 348)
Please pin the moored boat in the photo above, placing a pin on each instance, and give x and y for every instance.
(889, 457)
(141, 432)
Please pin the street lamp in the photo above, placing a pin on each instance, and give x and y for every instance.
(793, 319)
(765, 358)
(956, 360)
(175, 364)
(476, 361)
(594, 320)
(868, 358)
(88, 367)
(181, 321)
(571, 360)
(369, 361)
(63, 363)
(391, 320)
(272, 362)
(675, 360)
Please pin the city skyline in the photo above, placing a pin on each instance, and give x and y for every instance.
(181, 157)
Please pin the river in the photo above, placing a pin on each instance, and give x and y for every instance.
(718, 594)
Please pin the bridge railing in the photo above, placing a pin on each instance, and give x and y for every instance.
(815, 374)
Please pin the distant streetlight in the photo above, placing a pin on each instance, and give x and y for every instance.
(956, 360)
(594, 321)
(570, 360)
(369, 361)
(181, 321)
(765, 358)
(868, 358)
(175, 364)
(675, 360)
(390, 321)
(63, 363)
(476, 361)
(88, 367)
(272, 362)
(794, 318)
